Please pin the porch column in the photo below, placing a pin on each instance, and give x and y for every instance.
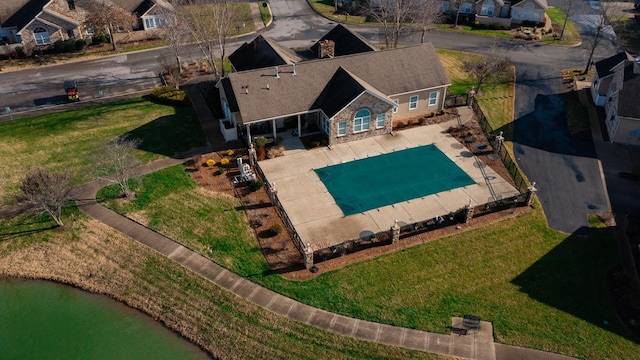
(444, 97)
(248, 133)
(299, 126)
(273, 128)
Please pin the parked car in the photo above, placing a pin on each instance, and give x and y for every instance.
(71, 88)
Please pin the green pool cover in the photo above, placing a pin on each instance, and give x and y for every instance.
(370, 183)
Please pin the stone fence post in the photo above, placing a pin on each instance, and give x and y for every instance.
(395, 232)
(531, 194)
(308, 257)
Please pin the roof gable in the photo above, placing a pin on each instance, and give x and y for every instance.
(261, 95)
(260, 53)
(26, 14)
(605, 67)
(540, 3)
(346, 42)
(628, 104)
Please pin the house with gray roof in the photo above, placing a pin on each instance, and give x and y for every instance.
(35, 24)
(504, 13)
(261, 52)
(621, 105)
(601, 82)
(347, 97)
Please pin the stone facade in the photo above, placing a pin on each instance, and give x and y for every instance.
(365, 101)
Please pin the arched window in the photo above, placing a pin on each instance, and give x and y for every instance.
(528, 6)
(361, 120)
(41, 35)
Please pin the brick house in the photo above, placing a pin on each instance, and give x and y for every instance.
(505, 13)
(33, 24)
(346, 97)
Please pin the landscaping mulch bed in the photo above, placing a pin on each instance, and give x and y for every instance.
(279, 250)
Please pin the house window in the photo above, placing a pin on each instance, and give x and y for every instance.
(361, 121)
(152, 23)
(70, 34)
(342, 128)
(486, 10)
(395, 108)
(72, 5)
(445, 7)
(41, 35)
(325, 124)
(413, 102)
(90, 30)
(465, 8)
(528, 6)
(433, 98)
(380, 120)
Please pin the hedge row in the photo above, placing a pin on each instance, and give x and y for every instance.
(169, 95)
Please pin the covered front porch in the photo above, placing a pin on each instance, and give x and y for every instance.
(297, 125)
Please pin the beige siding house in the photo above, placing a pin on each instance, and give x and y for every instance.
(345, 97)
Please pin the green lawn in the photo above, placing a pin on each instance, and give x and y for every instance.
(64, 140)
(570, 36)
(265, 14)
(540, 288)
(475, 31)
(496, 103)
(327, 9)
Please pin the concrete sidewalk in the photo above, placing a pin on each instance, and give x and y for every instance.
(478, 345)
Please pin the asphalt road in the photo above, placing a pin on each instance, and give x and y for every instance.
(564, 169)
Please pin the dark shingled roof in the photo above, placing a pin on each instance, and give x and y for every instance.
(604, 66)
(133, 6)
(385, 73)
(260, 53)
(347, 42)
(22, 17)
(343, 88)
(629, 95)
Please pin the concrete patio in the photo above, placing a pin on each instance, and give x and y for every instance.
(320, 222)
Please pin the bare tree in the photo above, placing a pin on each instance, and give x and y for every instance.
(427, 13)
(210, 23)
(115, 162)
(174, 32)
(106, 16)
(568, 8)
(394, 15)
(457, 6)
(46, 191)
(482, 69)
(599, 27)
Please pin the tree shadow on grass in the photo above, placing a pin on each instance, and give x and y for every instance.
(26, 225)
(572, 278)
(172, 134)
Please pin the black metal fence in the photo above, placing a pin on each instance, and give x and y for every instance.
(516, 174)
(455, 100)
(275, 201)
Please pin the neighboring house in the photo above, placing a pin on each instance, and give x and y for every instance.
(505, 13)
(621, 105)
(528, 10)
(603, 76)
(151, 14)
(37, 23)
(346, 97)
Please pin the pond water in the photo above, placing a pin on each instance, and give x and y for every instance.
(45, 320)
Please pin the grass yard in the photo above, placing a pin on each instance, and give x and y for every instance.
(570, 36)
(327, 9)
(497, 103)
(467, 29)
(223, 324)
(64, 140)
(540, 288)
(265, 14)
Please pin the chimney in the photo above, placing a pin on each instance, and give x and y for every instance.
(277, 74)
(326, 48)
